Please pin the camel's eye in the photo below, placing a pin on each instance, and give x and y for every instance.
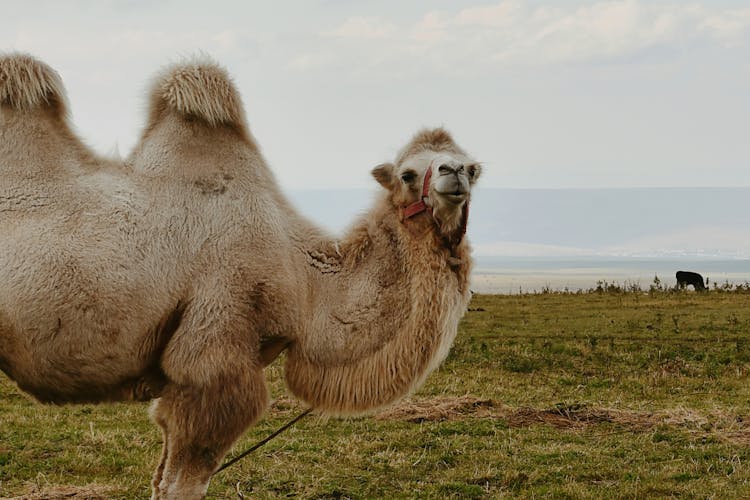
(408, 177)
(472, 171)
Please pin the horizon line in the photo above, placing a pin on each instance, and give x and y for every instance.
(596, 188)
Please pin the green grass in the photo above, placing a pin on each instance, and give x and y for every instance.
(589, 395)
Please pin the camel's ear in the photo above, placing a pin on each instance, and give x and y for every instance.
(384, 174)
(474, 171)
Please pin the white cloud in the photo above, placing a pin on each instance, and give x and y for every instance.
(512, 32)
(652, 92)
(363, 27)
(501, 15)
(730, 27)
(226, 39)
(431, 29)
(311, 61)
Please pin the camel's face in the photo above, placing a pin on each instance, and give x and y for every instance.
(452, 177)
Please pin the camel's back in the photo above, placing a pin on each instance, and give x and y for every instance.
(83, 268)
(52, 188)
(97, 255)
(47, 176)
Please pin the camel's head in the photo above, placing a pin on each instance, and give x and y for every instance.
(431, 176)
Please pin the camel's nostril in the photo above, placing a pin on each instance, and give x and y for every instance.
(445, 170)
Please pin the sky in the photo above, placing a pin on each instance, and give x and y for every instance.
(546, 94)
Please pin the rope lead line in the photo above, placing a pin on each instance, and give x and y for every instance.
(264, 441)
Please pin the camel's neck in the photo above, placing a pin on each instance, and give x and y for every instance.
(385, 312)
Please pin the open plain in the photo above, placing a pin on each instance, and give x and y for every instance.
(616, 393)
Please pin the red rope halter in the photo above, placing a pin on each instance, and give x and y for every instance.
(420, 206)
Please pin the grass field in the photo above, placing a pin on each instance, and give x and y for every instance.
(590, 395)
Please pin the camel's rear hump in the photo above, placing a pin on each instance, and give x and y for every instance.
(26, 84)
(200, 89)
(196, 130)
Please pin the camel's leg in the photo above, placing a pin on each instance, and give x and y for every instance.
(215, 387)
(201, 424)
(164, 453)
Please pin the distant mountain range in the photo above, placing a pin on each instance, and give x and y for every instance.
(633, 222)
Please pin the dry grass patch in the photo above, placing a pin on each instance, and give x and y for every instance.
(89, 492)
(725, 425)
(440, 409)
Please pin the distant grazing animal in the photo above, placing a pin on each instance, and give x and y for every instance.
(685, 278)
(180, 273)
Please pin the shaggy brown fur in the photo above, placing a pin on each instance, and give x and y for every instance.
(200, 90)
(27, 84)
(183, 271)
(435, 140)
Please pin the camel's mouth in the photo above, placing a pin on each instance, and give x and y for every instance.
(456, 197)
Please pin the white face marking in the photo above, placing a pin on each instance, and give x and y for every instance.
(451, 180)
(450, 184)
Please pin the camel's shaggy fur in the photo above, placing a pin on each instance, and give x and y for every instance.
(26, 84)
(178, 274)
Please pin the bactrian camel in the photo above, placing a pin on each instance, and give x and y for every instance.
(179, 273)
